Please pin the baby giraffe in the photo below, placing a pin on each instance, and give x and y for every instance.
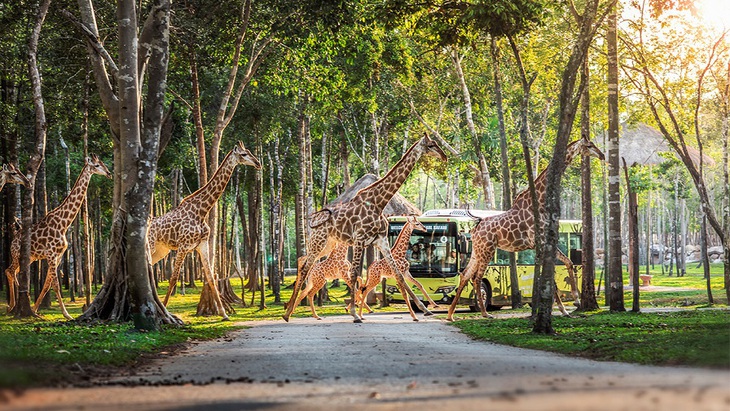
(380, 269)
(335, 266)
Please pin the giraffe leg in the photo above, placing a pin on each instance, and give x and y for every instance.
(406, 291)
(12, 273)
(318, 248)
(203, 253)
(354, 275)
(57, 290)
(559, 301)
(571, 277)
(365, 291)
(313, 286)
(44, 290)
(176, 268)
(475, 265)
(382, 244)
(407, 275)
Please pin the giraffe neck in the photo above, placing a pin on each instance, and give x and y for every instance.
(70, 206)
(205, 197)
(572, 152)
(398, 251)
(380, 192)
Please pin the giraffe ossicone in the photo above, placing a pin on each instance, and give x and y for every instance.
(514, 230)
(359, 222)
(185, 227)
(48, 236)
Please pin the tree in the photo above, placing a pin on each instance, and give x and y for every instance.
(128, 290)
(22, 307)
(568, 102)
(614, 276)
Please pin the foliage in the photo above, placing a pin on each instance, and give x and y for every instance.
(695, 338)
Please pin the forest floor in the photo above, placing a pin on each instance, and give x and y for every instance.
(389, 362)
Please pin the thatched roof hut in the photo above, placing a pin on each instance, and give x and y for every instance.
(398, 205)
(641, 144)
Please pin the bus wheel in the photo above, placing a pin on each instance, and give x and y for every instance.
(485, 294)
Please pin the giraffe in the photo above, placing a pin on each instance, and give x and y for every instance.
(185, 228)
(514, 230)
(359, 222)
(10, 174)
(48, 236)
(380, 269)
(335, 266)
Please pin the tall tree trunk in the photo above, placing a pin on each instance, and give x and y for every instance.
(588, 291)
(22, 307)
(516, 296)
(128, 288)
(633, 220)
(485, 178)
(568, 102)
(614, 277)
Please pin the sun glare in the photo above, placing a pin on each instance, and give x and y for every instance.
(715, 13)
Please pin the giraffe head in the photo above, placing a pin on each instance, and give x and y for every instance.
(417, 225)
(245, 157)
(97, 166)
(585, 147)
(11, 175)
(430, 148)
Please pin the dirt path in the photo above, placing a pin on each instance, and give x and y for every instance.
(387, 363)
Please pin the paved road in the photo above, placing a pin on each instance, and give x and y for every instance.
(386, 363)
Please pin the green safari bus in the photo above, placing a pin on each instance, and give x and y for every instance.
(440, 254)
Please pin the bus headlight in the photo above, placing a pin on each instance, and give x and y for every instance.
(391, 289)
(446, 289)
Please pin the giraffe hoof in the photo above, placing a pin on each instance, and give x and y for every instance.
(427, 313)
(225, 318)
(285, 317)
(357, 321)
(415, 319)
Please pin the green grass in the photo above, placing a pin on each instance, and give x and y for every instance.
(40, 351)
(694, 338)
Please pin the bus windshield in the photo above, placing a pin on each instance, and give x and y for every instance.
(432, 253)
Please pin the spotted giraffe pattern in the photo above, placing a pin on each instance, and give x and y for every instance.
(11, 175)
(48, 236)
(514, 230)
(185, 228)
(336, 266)
(380, 269)
(359, 222)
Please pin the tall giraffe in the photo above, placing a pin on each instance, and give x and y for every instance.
(334, 267)
(48, 236)
(184, 228)
(359, 222)
(514, 230)
(11, 175)
(380, 269)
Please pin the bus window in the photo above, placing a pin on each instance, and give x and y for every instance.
(576, 248)
(502, 257)
(526, 257)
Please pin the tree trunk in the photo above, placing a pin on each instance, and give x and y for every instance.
(128, 288)
(633, 220)
(484, 177)
(568, 102)
(588, 292)
(614, 277)
(22, 307)
(516, 296)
